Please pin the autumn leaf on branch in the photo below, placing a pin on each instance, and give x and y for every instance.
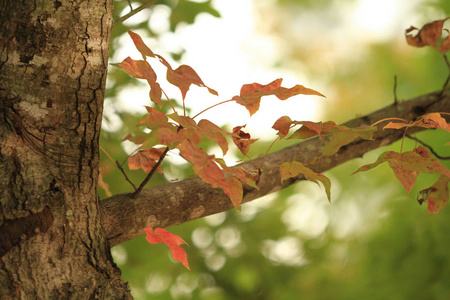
(437, 195)
(145, 159)
(408, 165)
(242, 139)
(160, 235)
(141, 69)
(207, 169)
(140, 45)
(432, 120)
(250, 94)
(341, 135)
(429, 35)
(294, 168)
(183, 76)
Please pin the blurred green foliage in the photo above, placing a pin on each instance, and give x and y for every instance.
(371, 242)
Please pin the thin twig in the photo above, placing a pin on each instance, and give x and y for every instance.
(125, 174)
(119, 166)
(448, 77)
(395, 90)
(428, 146)
(133, 12)
(150, 174)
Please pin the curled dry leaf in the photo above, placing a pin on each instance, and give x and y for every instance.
(242, 139)
(429, 35)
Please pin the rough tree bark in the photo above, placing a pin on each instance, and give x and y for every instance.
(53, 62)
(53, 231)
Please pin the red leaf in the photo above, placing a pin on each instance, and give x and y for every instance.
(250, 94)
(183, 77)
(437, 195)
(160, 235)
(216, 133)
(142, 70)
(282, 125)
(140, 45)
(207, 169)
(242, 139)
(145, 160)
(293, 169)
(154, 119)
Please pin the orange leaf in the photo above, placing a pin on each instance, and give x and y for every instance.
(154, 119)
(145, 160)
(160, 235)
(207, 169)
(437, 195)
(292, 169)
(282, 125)
(242, 139)
(341, 135)
(216, 133)
(431, 120)
(250, 94)
(408, 165)
(141, 69)
(140, 45)
(183, 77)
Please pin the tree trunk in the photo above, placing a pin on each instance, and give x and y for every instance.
(53, 62)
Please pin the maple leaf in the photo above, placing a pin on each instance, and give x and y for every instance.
(437, 195)
(145, 159)
(160, 235)
(250, 94)
(242, 139)
(282, 125)
(240, 173)
(408, 165)
(214, 132)
(206, 168)
(431, 120)
(141, 69)
(160, 136)
(429, 35)
(294, 168)
(154, 119)
(140, 45)
(183, 76)
(341, 135)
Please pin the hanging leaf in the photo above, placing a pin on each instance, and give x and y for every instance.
(408, 165)
(429, 35)
(160, 235)
(214, 132)
(206, 168)
(437, 195)
(183, 77)
(294, 168)
(154, 119)
(242, 139)
(250, 94)
(140, 45)
(145, 159)
(431, 120)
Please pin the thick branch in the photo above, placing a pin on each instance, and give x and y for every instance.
(190, 199)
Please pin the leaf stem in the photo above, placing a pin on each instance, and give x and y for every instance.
(212, 107)
(388, 119)
(120, 167)
(150, 174)
(267, 152)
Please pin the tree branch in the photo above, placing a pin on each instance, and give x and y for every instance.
(190, 199)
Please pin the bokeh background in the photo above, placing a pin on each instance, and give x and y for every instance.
(372, 241)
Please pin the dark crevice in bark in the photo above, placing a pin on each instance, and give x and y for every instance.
(12, 232)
